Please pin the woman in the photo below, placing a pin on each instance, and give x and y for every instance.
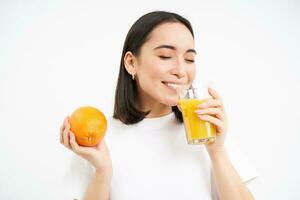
(146, 155)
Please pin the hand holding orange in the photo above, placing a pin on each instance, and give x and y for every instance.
(88, 125)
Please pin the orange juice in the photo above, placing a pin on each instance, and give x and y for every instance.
(197, 130)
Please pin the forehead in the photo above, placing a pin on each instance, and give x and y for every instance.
(175, 34)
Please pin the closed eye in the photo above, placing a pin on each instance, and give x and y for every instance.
(191, 61)
(164, 57)
(168, 57)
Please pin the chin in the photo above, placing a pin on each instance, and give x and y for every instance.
(171, 101)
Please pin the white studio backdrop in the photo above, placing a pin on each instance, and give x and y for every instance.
(58, 55)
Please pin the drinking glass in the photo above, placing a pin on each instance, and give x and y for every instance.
(197, 130)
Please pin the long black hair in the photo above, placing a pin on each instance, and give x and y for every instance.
(125, 108)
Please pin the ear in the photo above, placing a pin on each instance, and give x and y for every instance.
(130, 63)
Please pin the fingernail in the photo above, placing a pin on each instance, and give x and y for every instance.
(199, 111)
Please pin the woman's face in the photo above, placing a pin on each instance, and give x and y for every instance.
(166, 60)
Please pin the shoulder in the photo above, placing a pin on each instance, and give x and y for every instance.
(114, 123)
(114, 128)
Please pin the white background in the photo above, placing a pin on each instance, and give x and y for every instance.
(58, 55)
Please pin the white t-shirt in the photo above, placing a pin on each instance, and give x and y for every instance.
(152, 160)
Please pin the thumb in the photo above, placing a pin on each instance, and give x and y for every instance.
(100, 145)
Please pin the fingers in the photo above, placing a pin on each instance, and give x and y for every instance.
(73, 144)
(65, 135)
(75, 147)
(213, 120)
(212, 111)
(62, 128)
(213, 93)
(211, 103)
(67, 138)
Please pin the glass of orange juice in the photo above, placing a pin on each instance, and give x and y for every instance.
(197, 130)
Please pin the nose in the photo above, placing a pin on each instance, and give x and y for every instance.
(179, 69)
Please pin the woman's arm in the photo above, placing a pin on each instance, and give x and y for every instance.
(228, 183)
(98, 156)
(98, 188)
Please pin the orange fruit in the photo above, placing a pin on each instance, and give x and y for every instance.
(88, 125)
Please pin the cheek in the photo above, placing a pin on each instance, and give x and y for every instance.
(150, 75)
(191, 73)
(153, 70)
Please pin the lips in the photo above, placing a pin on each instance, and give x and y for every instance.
(172, 86)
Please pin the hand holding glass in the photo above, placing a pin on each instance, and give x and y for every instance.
(197, 130)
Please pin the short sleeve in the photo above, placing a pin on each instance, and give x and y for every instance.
(77, 178)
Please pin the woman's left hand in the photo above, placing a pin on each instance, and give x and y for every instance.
(212, 110)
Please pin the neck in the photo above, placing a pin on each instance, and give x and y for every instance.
(159, 111)
(156, 109)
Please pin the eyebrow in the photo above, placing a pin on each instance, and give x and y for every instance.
(173, 48)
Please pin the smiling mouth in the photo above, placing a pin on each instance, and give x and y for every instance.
(172, 86)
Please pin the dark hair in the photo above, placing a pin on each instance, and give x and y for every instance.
(125, 108)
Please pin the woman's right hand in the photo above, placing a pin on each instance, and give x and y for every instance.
(98, 156)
